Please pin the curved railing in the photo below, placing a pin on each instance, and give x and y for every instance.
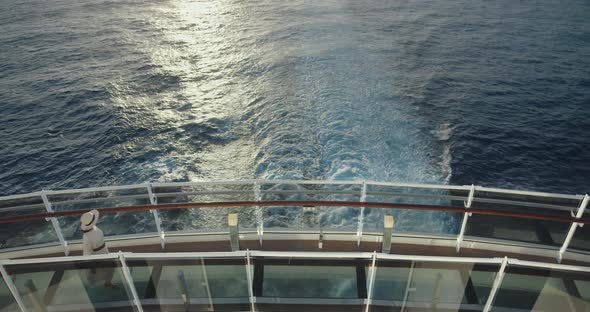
(476, 212)
(291, 281)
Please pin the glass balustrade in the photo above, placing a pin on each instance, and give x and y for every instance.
(432, 286)
(534, 289)
(308, 218)
(280, 281)
(7, 301)
(75, 285)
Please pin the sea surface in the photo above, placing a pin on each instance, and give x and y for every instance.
(490, 92)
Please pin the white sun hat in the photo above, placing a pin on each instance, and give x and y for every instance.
(88, 220)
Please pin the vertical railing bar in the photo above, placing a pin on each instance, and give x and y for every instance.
(466, 216)
(207, 288)
(361, 221)
(258, 212)
(154, 201)
(496, 285)
(12, 288)
(250, 283)
(55, 223)
(408, 284)
(573, 226)
(371, 282)
(129, 281)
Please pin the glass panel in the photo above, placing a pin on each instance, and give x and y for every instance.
(197, 284)
(111, 224)
(428, 286)
(25, 233)
(526, 289)
(414, 221)
(519, 229)
(205, 219)
(284, 284)
(7, 302)
(72, 286)
(326, 218)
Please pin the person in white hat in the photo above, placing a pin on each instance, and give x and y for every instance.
(93, 242)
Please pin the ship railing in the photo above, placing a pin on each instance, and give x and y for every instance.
(273, 280)
(515, 217)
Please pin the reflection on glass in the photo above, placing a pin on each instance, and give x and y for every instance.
(529, 289)
(427, 286)
(309, 281)
(7, 302)
(195, 283)
(71, 286)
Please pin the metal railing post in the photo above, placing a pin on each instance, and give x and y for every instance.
(371, 282)
(466, 216)
(234, 236)
(55, 223)
(258, 212)
(154, 201)
(496, 285)
(361, 221)
(12, 288)
(250, 282)
(129, 281)
(573, 227)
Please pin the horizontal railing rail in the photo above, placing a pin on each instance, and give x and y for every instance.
(251, 268)
(155, 197)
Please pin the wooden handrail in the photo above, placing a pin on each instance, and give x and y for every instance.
(301, 203)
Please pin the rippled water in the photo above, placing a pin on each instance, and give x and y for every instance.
(116, 92)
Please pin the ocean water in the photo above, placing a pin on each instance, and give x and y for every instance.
(490, 92)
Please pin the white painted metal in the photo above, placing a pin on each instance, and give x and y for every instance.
(206, 282)
(496, 285)
(301, 182)
(12, 288)
(20, 196)
(311, 255)
(466, 216)
(258, 211)
(57, 259)
(371, 282)
(382, 256)
(537, 194)
(361, 221)
(187, 255)
(408, 289)
(550, 266)
(203, 183)
(129, 281)
(250, 282)
(573, 227)
(157, 220)
(55, 223)
(418, 185)
(96, 189)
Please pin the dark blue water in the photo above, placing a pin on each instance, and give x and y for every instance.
(97, 92)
